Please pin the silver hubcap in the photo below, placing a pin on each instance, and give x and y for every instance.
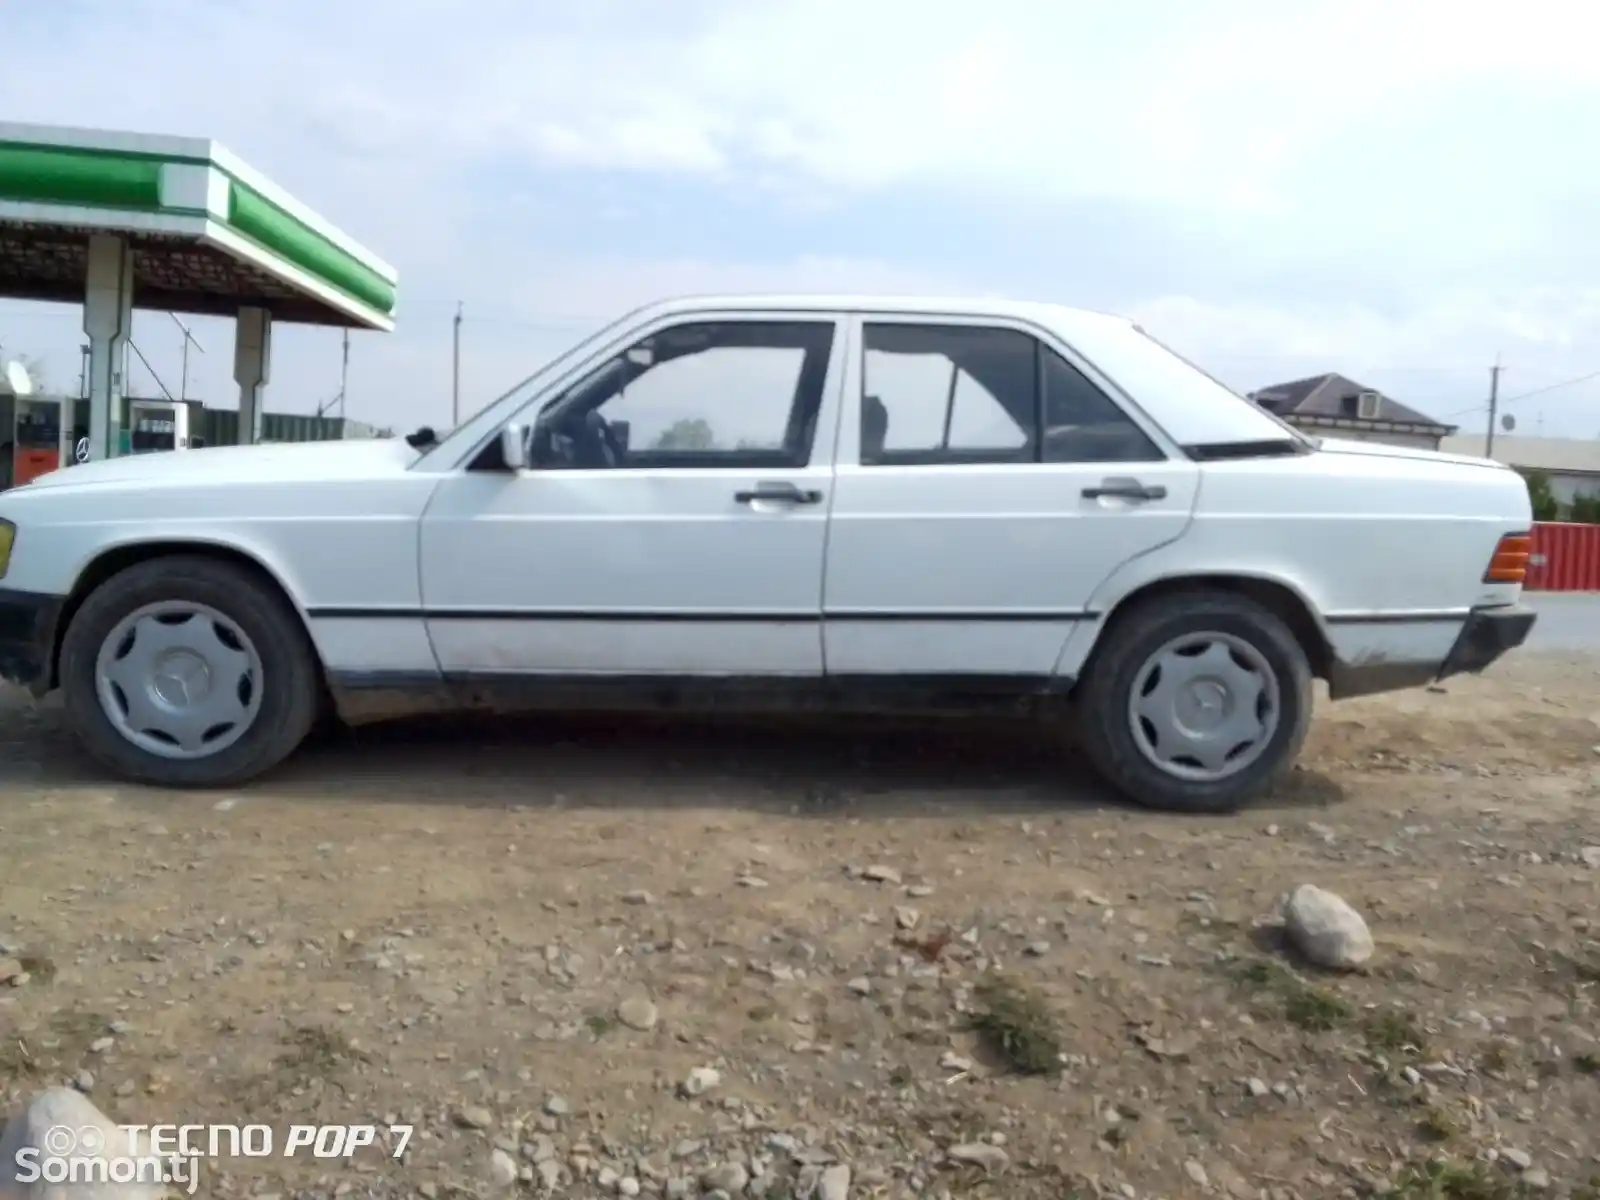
(179, 680)
(1204, 706)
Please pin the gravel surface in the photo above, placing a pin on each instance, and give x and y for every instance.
(604, 957)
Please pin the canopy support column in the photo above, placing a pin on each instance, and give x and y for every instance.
(252, 366)
(108, 322)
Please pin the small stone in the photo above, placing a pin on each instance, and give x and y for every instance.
(502, 1168)
(906, 918)
(474, 1116)
(10, 968)
(1326, 929)
(701, 1080)
(126, 1088)
(84, 1082)
(556, 1106)
(834, 1183)
(1196, 1173)
(549, 1173)
(1538, 1179)
(860, 985)
(1256, 1087)
(1036, 949)
(990, 1158)
(1590, 856)
(1520, 1159)
(752, 881)
(639, 898)
(725, 1177)
(880, 873)
(628, 1186)
(101, 1045)
(638, 1012)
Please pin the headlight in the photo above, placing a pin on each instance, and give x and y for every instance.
(8, 536)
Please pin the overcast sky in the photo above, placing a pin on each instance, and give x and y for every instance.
(1396, 189)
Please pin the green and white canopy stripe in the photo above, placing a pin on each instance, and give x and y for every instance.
(192, 189)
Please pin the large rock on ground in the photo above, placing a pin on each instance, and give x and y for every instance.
(27, 1130)
(1325, 929)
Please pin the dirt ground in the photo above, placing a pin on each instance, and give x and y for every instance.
(863, 933)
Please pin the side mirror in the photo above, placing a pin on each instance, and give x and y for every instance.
(514, 446)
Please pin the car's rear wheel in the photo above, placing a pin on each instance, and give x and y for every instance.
(188, 672)
(1195, 702)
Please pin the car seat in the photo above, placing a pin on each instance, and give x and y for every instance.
(874, 428)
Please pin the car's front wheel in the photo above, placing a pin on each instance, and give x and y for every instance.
(188, 672)
(1195, 702)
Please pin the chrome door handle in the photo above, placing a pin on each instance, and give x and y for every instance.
(1124, 489)
(781, 493)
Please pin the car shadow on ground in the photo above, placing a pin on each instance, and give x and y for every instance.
(823, 767)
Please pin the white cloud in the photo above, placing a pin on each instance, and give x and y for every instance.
(406, 120)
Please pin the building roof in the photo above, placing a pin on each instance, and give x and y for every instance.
(1334, 395)
(208, 233)
(1560, 456)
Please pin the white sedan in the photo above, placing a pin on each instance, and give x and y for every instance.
(848, 504)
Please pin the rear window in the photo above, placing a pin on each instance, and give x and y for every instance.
(1193, 408)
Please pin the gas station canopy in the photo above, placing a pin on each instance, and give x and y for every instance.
(209, 235)
(117, 221)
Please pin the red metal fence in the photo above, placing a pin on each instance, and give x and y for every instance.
(1565, 557)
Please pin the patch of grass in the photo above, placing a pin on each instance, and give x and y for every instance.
(1311, 1008)
(41, 968)
(17, 1061)
(1436, 1125)
(1496, 1060)
(63, 1041)
(1018, 1026)
(318, 1050)
(1315, 1010)
(1588, 1062)
(600, 1024)
(1442, 1179)
(1581, 966)
(1394, 1033)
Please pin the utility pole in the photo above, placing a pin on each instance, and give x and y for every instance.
(344, 370)
(455, 370)
(1494, 406)
(183, 382)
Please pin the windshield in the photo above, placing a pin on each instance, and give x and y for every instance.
(1193, 407)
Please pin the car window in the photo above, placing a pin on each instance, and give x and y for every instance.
(947, 394)
(1083, 424)
(702, 394)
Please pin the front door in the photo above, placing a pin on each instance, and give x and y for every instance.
(985, 488)
(673, 522)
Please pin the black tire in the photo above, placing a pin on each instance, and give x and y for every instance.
(1106, 735)
(290, 684)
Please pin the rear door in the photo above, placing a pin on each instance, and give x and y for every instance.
(986, 485)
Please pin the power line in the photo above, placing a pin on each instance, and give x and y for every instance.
(1565, 383)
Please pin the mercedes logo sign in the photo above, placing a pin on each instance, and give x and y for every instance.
(81, 451)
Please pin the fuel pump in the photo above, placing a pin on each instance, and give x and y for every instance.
(36, 446)
(38, 437)
(156, 425)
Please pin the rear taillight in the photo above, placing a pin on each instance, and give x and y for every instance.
(1510, 561)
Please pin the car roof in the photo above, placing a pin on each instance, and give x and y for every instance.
(1060, 317)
